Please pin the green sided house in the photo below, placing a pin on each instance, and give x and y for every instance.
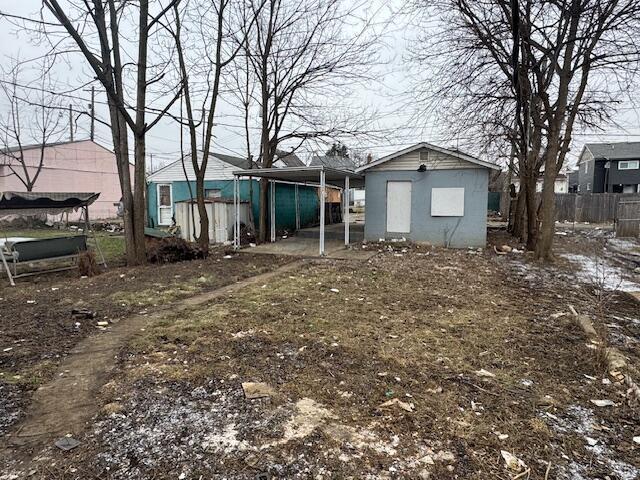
(167, 188)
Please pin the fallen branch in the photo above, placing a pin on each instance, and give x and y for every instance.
(616, 361)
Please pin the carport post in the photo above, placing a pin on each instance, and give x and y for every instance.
(345, 214)
(322, 195)
(272, 201)
(236, 213)
(297, 208)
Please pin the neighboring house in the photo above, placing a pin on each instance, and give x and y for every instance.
(79, 166)
(286, 159)
(426, 193)
(561, 184)
(609, 168)
(168, 185)
(333, 161)
(573, 179)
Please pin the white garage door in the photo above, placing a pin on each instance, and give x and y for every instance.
(398, 207)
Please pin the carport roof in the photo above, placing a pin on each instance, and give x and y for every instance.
(306, 175)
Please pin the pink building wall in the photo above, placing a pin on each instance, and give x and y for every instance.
(81, 166)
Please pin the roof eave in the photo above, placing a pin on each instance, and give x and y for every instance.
(430, 146)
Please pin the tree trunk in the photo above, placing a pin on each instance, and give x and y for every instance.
(138, 201)
(531, 211)
(548, 205)
(203, 238)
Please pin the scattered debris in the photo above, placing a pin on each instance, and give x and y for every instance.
(407, 407)
(83, 313)
(512, 462)
(484, 373)
(66, 443)
(256, 390)
(603, 403)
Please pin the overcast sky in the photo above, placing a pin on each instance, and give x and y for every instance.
(387, 96)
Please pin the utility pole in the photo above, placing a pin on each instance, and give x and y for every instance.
(71, 122)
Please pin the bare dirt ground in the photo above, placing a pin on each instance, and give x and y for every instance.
(419, 363)
(38, 327)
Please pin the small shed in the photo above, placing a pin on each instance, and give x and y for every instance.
(427, 193)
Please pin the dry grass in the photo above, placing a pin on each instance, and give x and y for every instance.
(417, 328)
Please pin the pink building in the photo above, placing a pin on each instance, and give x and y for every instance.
(80, 166)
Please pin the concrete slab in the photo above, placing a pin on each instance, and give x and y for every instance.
(308, 248)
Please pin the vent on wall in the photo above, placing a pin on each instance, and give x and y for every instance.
(424, 155)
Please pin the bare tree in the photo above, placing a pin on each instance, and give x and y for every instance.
(34, 120)
(584, 57)
(303, 53)
(526, 73)
(202, 57)
(467, 80)
(96, 27)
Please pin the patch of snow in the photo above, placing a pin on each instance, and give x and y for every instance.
(599, 272)
(581, 421)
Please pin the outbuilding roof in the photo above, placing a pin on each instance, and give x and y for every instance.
(306, 175)
(454, 153)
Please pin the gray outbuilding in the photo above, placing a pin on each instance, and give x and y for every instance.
(427, 193)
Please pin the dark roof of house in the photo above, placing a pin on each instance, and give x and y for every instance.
(340, 163)
(615, 151)
(289, 159)
(235, 161)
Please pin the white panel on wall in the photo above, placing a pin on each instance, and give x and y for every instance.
(447, 202)
(399, 207)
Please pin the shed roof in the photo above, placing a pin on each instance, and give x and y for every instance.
(306, 175)
(453, 153)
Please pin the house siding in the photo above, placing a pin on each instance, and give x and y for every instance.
(80, 166)
(469, 230)
(285, 200)
(411, 161)
(623, 177)
(601, 180)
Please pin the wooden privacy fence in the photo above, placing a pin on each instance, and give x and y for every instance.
(594, 207)
(628, 221)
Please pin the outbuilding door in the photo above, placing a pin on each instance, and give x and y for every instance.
(398, 207)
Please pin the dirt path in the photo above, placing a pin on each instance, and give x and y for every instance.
(65, 404)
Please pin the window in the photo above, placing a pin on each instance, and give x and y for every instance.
(578, 187)
(447, 202)
(165, 204)
(629, 165)
(588, 187)
(585, 167)
(213, 193)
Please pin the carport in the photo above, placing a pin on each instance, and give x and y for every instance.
(317, 176)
